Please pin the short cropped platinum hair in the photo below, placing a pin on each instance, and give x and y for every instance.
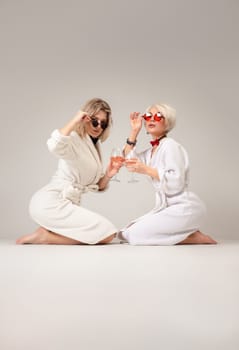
(92, 107)
(168, 112)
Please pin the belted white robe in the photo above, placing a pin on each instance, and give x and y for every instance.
(56, 206)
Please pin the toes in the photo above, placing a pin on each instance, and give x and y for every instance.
(20, 240)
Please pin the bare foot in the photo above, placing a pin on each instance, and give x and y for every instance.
(198, 238)
(43, 236)
(37, 237)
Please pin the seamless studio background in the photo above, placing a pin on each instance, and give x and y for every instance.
(55, 55)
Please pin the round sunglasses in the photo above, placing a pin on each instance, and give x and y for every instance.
(157, 116)
(95, 122)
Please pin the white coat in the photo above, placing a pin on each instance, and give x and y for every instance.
(177, 212)
(56, 206)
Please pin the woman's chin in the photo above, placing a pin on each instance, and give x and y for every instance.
(94, 133)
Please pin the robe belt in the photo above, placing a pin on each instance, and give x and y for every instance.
(73, 191)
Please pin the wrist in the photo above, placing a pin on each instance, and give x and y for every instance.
(108, 176)
(152, 172)
(131, 141)
(76, 120)
(133, 134)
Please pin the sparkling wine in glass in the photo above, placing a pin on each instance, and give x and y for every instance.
(131, 160)
(116, 156)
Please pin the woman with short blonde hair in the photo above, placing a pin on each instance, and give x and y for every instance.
(177, 215)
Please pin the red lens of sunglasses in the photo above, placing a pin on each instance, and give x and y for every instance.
(157, 117)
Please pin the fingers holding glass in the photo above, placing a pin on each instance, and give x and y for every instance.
(116, 162)
(130, 162)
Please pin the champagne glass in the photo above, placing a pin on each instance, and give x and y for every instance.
(131, 160)
(116, 156)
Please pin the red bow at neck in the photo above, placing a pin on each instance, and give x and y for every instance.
(156, 142)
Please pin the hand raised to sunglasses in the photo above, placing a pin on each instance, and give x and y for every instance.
(136, 121)
(74, 123)
(80, 117)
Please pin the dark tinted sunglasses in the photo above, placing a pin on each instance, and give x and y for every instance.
(95, 122)
(157, 116)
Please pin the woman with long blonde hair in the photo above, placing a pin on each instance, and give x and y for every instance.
(56, 208)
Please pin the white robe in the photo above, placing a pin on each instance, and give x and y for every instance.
(57, 205)
(177, 212)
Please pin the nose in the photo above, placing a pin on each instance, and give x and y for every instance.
(149, 116)
(152, 118)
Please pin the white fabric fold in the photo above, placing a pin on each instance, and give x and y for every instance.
(73, 192)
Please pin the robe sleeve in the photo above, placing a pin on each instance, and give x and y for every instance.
(61, 146)
(172, 169)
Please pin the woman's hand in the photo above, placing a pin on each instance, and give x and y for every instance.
(136, 166)
(74, 123)
(80, 116)
(114, 167)
(136, 121)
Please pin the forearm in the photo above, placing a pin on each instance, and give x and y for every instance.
(104, 181)
(68, 128)
(132, 138)
(152, 172)
(142, 168)
(73, 123)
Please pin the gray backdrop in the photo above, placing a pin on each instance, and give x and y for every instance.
(57, 54)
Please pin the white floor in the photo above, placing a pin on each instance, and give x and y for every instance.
(119, 297)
